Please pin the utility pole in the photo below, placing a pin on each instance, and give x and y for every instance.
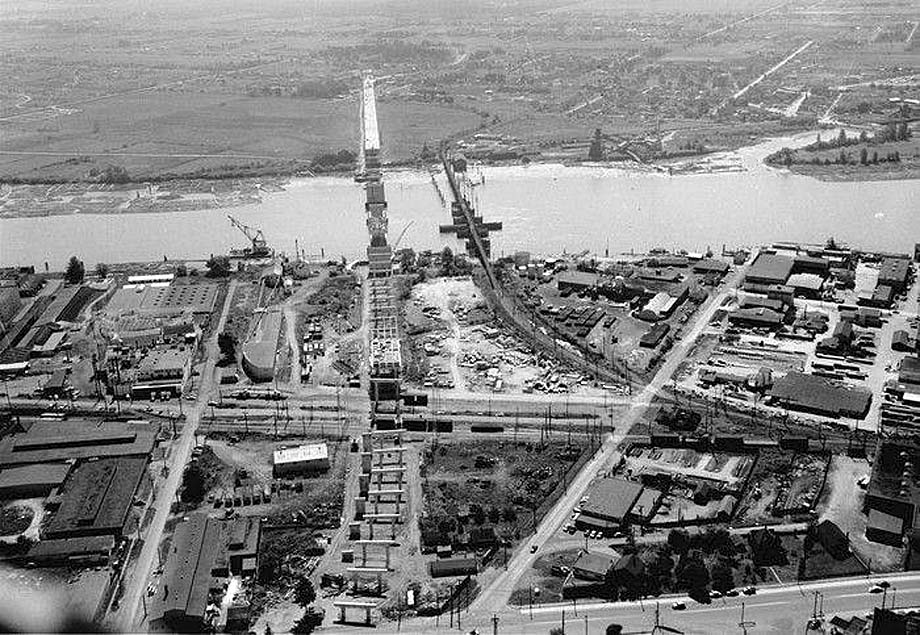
(494, 624)
(744, 625)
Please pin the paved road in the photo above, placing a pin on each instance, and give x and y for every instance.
(775, 609)
(136, 581)
(493, 598)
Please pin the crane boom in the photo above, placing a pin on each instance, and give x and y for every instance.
(254, 234)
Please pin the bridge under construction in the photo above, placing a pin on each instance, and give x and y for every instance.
(382, 494)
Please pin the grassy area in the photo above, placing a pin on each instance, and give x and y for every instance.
(489, 484)
(155, 135)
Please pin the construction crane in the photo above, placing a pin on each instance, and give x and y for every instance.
(259, 247)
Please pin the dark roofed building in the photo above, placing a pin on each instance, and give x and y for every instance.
(55, 441)
(889, 622)
(882, 297)
(453, 567)
(182, 599)
(900, 341)
(31, 481)
(629, 571)
(809, 393)
(79, 551)
(243, 545)
(810, 264)
(576, 281)
(766, 547)
(806, 285)
(757, 302)
(756, 317)
(711, 266)
(609, 502)
(97, 498)
(893, 494)
(832, 539)
(909, 371)
(894, 273)
(654, 335)
(591, 566)
(770, 269)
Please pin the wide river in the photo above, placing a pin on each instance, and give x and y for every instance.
(545, 209)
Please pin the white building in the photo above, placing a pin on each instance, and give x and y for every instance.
(313, 457)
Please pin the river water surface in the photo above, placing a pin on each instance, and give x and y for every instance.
(545, 209)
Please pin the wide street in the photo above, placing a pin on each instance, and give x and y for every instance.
(775, 609)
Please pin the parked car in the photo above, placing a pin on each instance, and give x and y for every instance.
(679, 606)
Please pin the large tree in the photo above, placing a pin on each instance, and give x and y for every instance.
(679, 541)
(304, 592)
(722, 578)
(193, 484)
(227, 344)
(692, 574)
(312, 618)
(218, 266)
(75, 271)
(596, 150)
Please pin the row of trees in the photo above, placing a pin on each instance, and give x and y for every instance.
(75, 271)
(891, 132)
(680, 565)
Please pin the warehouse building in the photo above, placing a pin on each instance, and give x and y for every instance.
(181, 602)
(609, 503)
(900, 341)
(204, 551)
(909, 371)
(756, 317)
(96, 498)
(302, 459)
(893, 494)
(260, 348)
(654, 335)
(162, 370)
(57, 441)
(453, 567)
(803, 263)
(661, 306)
(770, 269)
(82, 551)
(710, 266)
(809, 393)
(806, 285)
(591, 566)
(32, 481)
(576, 281)
(894, 273)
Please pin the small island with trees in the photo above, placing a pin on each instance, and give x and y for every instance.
(891, 152)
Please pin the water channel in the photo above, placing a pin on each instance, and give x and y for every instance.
(545, 209)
